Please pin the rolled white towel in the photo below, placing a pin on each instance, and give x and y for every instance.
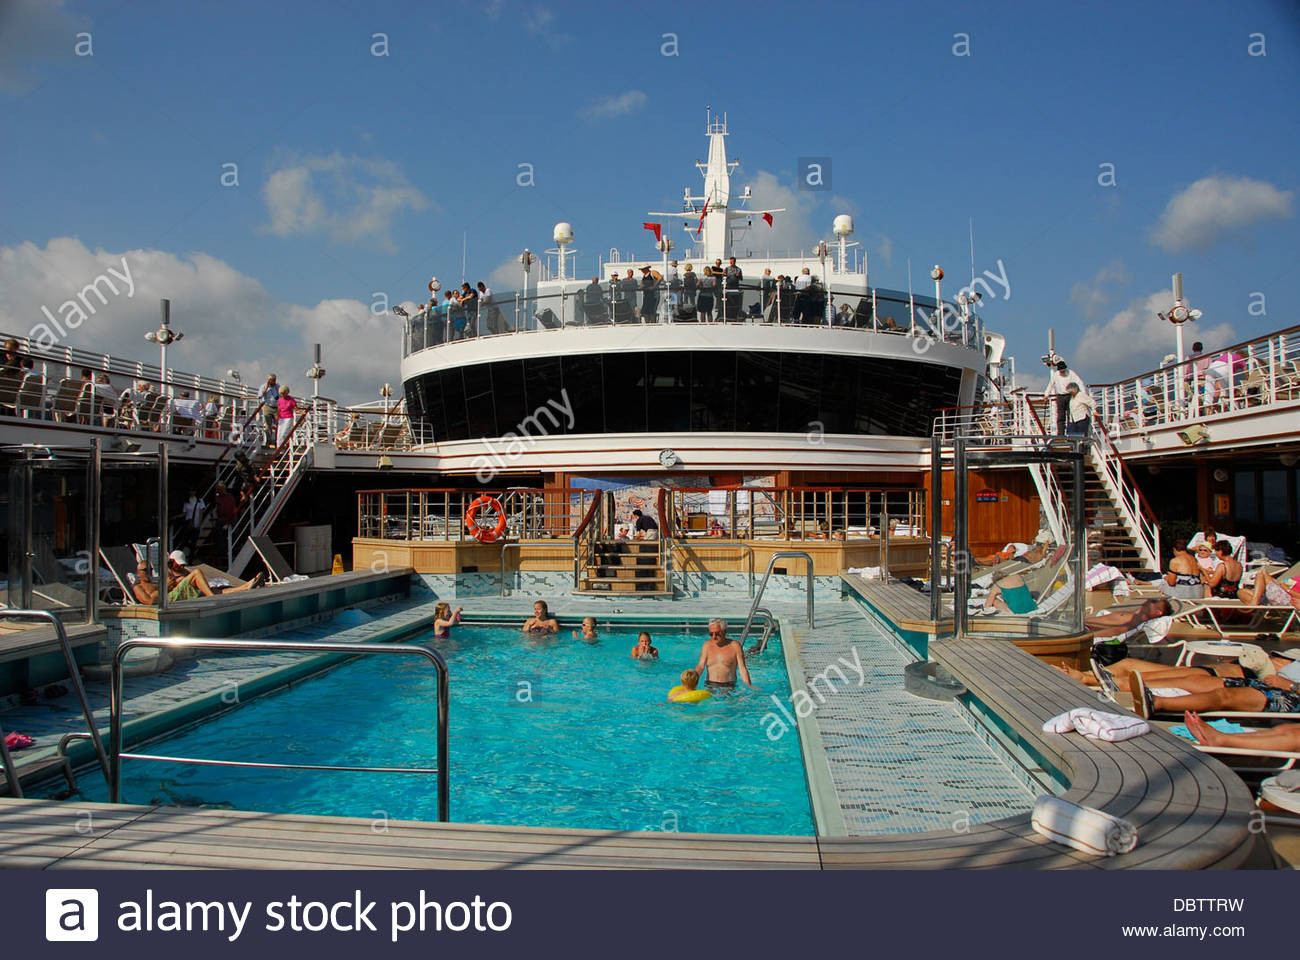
(1083, 828)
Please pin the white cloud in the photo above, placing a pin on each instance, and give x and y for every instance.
(350, 199)
(540, 23)
(791, 230)
(615, 105)
(1135, 339)
(34, 32)
(1092, 295)
(1215, 205)
(229, 319)
(885, 247)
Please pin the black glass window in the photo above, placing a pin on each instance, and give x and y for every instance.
(584, 390)
(625, 393)
(679, 391)
(668, 391)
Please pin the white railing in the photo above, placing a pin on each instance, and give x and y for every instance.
(1246, 376)
(628, 302)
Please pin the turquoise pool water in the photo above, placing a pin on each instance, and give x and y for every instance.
(544, 732)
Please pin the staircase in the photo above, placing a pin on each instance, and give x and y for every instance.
(1109, 539)
(270, 490)
(624, 566)
(1120, 524)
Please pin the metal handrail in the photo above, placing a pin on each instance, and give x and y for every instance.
(74, 675)
(116, 756)
(769, 627)
(808, 587)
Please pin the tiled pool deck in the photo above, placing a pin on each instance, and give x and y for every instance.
(898, 763)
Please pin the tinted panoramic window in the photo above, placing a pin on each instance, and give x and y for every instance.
(680, 391)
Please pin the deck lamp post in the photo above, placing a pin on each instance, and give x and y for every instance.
(937, 276)
(164, 336)
(822, 251)
(1179, 315)
(316, 374)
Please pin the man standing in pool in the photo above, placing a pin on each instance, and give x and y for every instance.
(723, 658)
(541, 621)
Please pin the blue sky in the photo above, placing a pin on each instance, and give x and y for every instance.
(360, 174)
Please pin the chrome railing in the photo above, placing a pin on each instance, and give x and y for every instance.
(439, 514)
(603, 302)
(116, 754)
(1245, 376)
(758, 597)
(74, 677)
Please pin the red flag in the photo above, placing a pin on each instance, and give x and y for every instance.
(768, 218)
(655, 227)
(702, 216)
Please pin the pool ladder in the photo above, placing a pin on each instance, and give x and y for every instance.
(755, 609)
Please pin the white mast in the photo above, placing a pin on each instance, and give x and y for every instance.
(717, 192)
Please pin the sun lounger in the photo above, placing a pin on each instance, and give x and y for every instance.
(272, 557)
(120, 562)
(10, 382)
(31, 397)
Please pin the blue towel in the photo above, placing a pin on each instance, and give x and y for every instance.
(1223, 726)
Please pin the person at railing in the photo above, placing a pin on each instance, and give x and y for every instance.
(541, 621)
(707, 294)
(286, 410)
(650, 279)
(733, 276)
(105, 400)
(12, 360)
(843, 317)
(1080, 410)
(212, 417)
(771, 288)
(270, 394)
(690, 287)
(468, 299)
(493, 319)
(187, 411)
(1183, 579)
(674, 280)
(1057, 386)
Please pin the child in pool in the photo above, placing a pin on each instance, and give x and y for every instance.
(444, 618)
(643, 650)
(588, 633)
(690, 681)
(541, 621)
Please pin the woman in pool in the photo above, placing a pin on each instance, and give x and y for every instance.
(444, 618)
(588, 634)
(541, 621)
(643, 649)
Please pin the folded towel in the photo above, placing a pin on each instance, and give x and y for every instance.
(1168, 693)
(1101, 573)
(1097, 725)
(1082, 828)
(1157, 628)
(1223, 726)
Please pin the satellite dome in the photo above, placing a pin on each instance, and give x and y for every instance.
(842, 226)
(563, 233)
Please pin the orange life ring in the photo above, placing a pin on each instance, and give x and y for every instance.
(485, 534)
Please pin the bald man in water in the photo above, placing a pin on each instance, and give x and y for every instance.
(723, 659)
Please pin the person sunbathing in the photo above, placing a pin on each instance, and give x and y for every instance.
(1268, 592)
(1031, 553)
(1120, 622)
(1270, 694)
(1249, 665)
(187, 586)
(1285, 736)
(1010, 595)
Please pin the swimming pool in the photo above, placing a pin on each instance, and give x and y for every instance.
(547, 731)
